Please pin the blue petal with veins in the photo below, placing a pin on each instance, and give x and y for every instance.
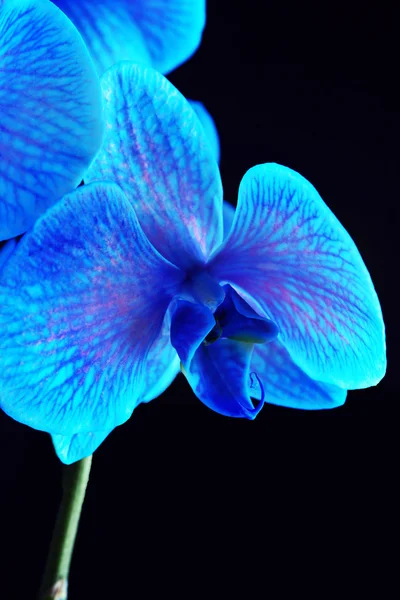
(289, 255)
(220, 377)
(157, 151)
(172, 29)
(6, 249)
(109, 31)
(228, 217)
(286, 384)
(70, 448)
(51, 111)
(79, 315)
(209, 127)
(159, 33)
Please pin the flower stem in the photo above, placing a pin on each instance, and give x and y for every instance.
(55, 579)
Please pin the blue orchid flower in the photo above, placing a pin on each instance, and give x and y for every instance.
(162, 34)
(130, 278)
(51, 111)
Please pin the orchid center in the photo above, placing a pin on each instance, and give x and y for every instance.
(236, 320)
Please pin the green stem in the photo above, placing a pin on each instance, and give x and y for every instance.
(55, 579)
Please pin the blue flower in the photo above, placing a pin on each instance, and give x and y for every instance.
(162, 34)
(130, 277)
(51, 111)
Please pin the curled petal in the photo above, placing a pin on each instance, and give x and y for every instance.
(83, 300)
(51, 113)
(220, 376)
(70, 448)
(190, 324)
(218, 371)
(156, 150)
(287, 385)
(288, 253)
(162, 366)
(209, 127)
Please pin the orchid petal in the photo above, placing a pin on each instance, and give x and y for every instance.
(159, 33)
(287, 385)
(70, 448)
(83, 299)
(289, 254)
(209, 127)
(172, 29)
(109, 31)
(156, 150)
(162, 365)
(219, 375)
(51, 111)
(6, 249)
(228, 217)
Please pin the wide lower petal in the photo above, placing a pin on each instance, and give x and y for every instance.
(51, 111)
(70, 448)
(162, 366)
(209, 127)
(156, 150)
(83, 300)
(288, 253)
(286, 384)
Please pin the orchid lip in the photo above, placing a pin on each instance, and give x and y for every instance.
(235, 320)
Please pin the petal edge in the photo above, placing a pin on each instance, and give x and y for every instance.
(289, 254)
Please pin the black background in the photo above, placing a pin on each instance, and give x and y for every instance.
(182, 499)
